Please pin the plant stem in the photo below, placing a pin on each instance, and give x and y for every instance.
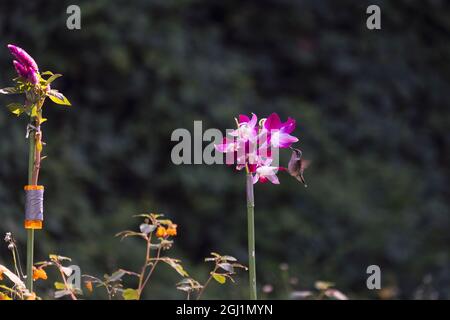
(152, 269)
(72, 295)
(144, 267)
(34, 165)
(251, 236)
(207, 282)
(30, 232)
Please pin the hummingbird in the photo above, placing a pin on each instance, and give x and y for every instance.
(297, 165)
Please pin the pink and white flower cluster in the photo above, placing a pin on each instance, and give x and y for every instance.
(254, 145)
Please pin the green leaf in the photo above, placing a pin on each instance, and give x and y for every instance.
(53, 78)
(128, 233)
(34, 112)
(60, 286)
(16, 108)
(219, 278)
(178, 267)
(58, 98)
(117, 275)
(9, 90)
(47, 73)
(130, 294)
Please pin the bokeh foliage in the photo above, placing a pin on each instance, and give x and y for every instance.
(372, 111)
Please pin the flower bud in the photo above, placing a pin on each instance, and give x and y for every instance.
(23, 57)
(33, 77)
(21, 70)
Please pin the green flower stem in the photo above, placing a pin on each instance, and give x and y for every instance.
(251, 236)
(30, 232)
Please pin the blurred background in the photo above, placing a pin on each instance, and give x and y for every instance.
(372, 109)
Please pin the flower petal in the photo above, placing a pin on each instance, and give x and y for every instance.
(243, 118)
(253, 121)
(285, 140)
(272, 122)
(273, 179)
(288, 126)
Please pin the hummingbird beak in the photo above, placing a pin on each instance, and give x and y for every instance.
(297, 151)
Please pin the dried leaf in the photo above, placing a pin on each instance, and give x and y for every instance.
(11, 276)
(227, 267)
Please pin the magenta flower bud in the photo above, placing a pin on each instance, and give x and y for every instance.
(33, 77)
(21, 70)
(23, 57)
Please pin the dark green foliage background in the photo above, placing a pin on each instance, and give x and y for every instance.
(372, 111)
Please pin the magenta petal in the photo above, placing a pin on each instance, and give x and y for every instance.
(286, 140)
(288, 126)
(262, 179)
(243, 118)
(273, 122)
(252, 168)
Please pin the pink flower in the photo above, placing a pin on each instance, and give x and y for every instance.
(23, 57)
(25, 65)
(247, 131)
(251, 145)
(278, 132)
(265, 172)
